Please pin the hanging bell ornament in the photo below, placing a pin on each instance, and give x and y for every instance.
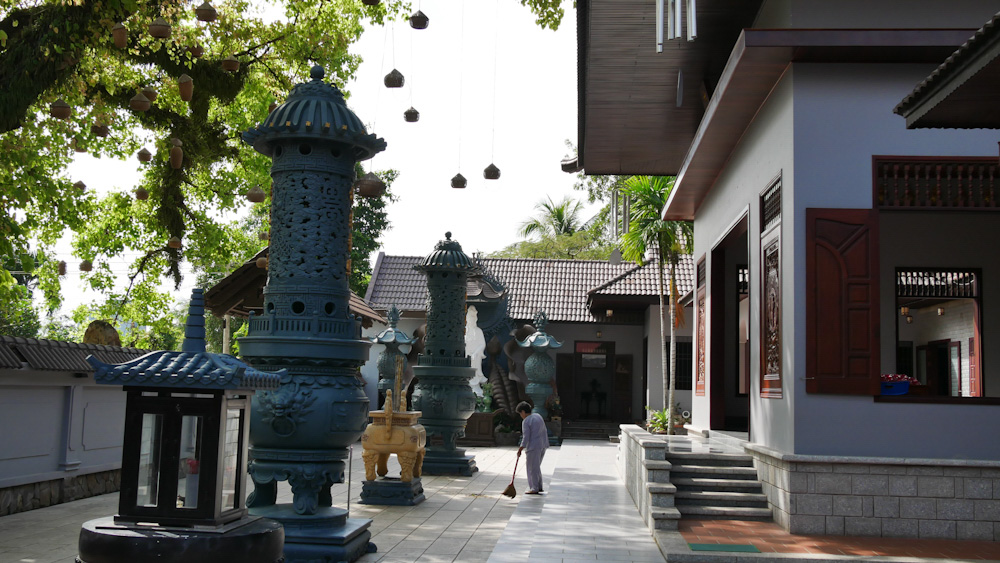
(411, 115)
(60, 109)
(86, 266)
(419, 20)
(141, 194)
(262, 263)
(100, 130)
(144, 155)
(256, 194)
(273, 106)
(370, 2)
(206, 13)
(174, 242)
(176, 154)
(80, 186)
(458, 182)
(159, 28)
(185, 84)
(491, 172)
(196, 50)
(149, 93)
(62, 268)
(370, 185)
(394, 79)
(230, 64)
(119, 33)
(139, 102)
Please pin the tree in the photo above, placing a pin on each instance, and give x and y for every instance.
(581, 245)
(669, 239)
(561, 218)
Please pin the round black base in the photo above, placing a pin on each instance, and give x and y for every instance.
(250, 540)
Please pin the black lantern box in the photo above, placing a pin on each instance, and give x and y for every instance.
(184, 461)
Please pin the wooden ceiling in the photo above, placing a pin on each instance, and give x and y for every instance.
(629, 119)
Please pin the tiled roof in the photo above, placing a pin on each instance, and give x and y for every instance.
(950, 67)
(559, 287)
(643, 280)
(56, 355)
(188, 370)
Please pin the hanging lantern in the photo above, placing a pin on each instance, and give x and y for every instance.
(119, 33)
(370, 185)
(230, 64)
(264, 235)
(370, 2)
(144, 155)
(262, 263)
(176, 154)
(159, 28)
(394, 79)
(174, 242)
(419, 20)
(256, 194)
(196, 51)
(491, 172)
(139, 102)
(62, 268)
(273, 106)
(100, 130)
(411, 115)
(60, 109)
(149, 93)
(206, 12)
(458, 182)
(186, 87)
(86, 266)
(80, 186)
(141, 194)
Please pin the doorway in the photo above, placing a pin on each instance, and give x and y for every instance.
(729, 334)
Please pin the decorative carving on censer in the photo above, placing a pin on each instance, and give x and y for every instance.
(301, 432)
(443, 371)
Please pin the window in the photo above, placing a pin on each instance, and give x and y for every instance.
(685, 365)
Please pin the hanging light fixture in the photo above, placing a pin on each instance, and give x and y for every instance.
(185, 85)
(174, 242)
(196, 50)
(458, 182)
(273, 106)
(149, 93)
(491, 172)
(159, 28)
(60, 109)
(176, 154)
(370, 185)
(262, 263)
(80, 186)
(411, 115)
(100, 130)
(119, 34)
(144, 155)
(86, 266)
(62, 267)
(370, 2)
(904, 310)
(264, 235)
(940, 311)
(230, 64)
(206, 13)
(394, 79)
(139, 102)
(909, 319)
(256, 194)
(141, 194)
(419, 20)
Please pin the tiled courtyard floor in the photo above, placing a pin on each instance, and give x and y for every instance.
(585, 515)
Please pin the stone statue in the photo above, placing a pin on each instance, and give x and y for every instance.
(475, 346)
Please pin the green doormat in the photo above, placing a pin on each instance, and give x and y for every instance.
(741, 548)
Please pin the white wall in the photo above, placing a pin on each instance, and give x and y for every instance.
(764, 152)
(843, 116)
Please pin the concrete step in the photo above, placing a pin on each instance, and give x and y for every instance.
(720, 498)
(661, 495)
(716, 485)
(698, 458)
(717, 471)
(664, 518)
(726, 513)
(657, 471)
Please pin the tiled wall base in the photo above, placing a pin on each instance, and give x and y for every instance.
(888, 497)
(46, 493)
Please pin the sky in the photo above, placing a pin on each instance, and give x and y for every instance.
(490, 86)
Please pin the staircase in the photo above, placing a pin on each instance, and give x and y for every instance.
(589, 430)
(717, 486)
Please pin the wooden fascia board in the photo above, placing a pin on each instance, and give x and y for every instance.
(755, 66)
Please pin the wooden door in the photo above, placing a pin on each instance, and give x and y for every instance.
(567, 391)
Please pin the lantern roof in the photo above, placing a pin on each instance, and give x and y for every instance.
(314, 110)
(447, 255)
(540, 339)
(190, 369)
(392, 335)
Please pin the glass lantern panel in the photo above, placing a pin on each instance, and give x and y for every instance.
(149, 459)
(231, 457)
(190, 461)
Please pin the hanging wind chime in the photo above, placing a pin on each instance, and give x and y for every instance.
(458, 181)
(417, 21)
(491, 172)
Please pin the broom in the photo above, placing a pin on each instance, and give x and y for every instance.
(510, 491)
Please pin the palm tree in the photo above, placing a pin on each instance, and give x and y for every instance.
(555, 219)
(669, 239)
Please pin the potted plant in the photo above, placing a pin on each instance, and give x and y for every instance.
(897, 383)
(504, 429)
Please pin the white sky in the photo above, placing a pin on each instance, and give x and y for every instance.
(449, 70)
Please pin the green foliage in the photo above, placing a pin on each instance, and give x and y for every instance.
(580, 245)
(18, 317)
(562, 218)
(503, 422)
(657, 422)
(549, 13)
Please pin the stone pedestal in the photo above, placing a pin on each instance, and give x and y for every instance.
(393, 492)
(327, 535)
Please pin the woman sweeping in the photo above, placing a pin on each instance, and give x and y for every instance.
(534, 440)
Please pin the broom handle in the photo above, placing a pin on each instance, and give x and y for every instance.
(515, 470)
